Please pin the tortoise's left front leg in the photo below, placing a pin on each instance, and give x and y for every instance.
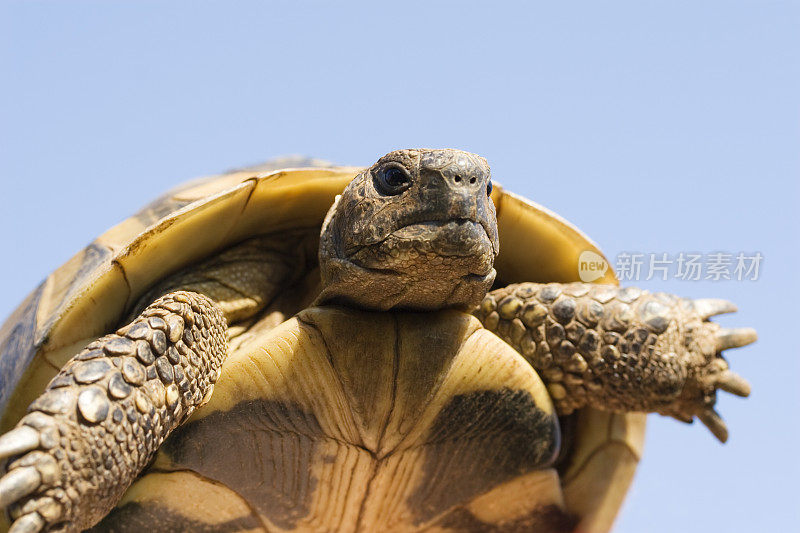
(621, 349)
(102, 418)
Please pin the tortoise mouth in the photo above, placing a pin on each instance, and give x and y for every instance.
(460, 247)
(456, 237)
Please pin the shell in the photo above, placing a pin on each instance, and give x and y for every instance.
(90, 294)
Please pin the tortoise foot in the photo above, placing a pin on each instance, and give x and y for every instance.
(102, 418)
(621, 349)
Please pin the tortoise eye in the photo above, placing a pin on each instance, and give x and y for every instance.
(489, 188)
(392, 180)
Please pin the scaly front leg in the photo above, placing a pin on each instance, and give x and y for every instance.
(102, 418)
(621, 349)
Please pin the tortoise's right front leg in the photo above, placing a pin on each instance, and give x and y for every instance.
(621, 350)
(102, 418)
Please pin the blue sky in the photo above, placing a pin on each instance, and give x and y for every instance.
(657, 127)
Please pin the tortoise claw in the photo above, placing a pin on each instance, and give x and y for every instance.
(29, 523)
(686, 419)
(708, 307)
(17, 441)
(733, 383)
(734, 338)
(714, 423)
(28, 477)
(18, 483)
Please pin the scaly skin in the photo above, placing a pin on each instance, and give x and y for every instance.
(620, 349)
(105, 414)
(417, 230)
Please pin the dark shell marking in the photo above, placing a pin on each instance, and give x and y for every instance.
(547, 519)
(281, 485)
(136, 517)
(461, 452)
(17, 348)
(480, 440)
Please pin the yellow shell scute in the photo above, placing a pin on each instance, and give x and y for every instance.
(87, 297)
(161, 499)
(539, 245)
(350, 408)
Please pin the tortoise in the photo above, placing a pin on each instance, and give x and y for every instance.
(376, 362)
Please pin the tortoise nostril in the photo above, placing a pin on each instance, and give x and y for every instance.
(472, 181)
(458, 179)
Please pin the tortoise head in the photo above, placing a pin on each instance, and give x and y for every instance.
(417, 230)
